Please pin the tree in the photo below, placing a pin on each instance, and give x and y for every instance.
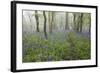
(66, 24)
(89, 17)
(37, 21)
(45, 20)
(81, 21)
(52, 22)
(78, 21)
(74, 21)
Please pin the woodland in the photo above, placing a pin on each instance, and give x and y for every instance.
(55, 36)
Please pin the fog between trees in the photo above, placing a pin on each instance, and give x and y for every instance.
(51, 21)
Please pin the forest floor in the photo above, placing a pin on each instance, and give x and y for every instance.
(59, 46)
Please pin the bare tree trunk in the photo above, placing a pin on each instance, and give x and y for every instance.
(66, 25)
(89, 28)
(74, 21)
(37, 21)
(45, 32)
(49, 20)
(81, 22)
(78, 23)
(89, 23)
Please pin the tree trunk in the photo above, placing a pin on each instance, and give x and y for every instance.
(45, 32)
(89, 23)
(37, 21)
(49, 19)
(74, 21)
(81, 22)
(78, 23)
(66, 25)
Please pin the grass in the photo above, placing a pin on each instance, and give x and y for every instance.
(37, 49)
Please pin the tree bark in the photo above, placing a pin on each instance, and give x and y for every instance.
(74, 21)
(37, 21)
(66, 25)
(81, 22)
(45, 32)
(89, 23)
(78, 23)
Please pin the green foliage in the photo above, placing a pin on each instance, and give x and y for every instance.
(39, 50)
(86, 19)
(80, 46)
